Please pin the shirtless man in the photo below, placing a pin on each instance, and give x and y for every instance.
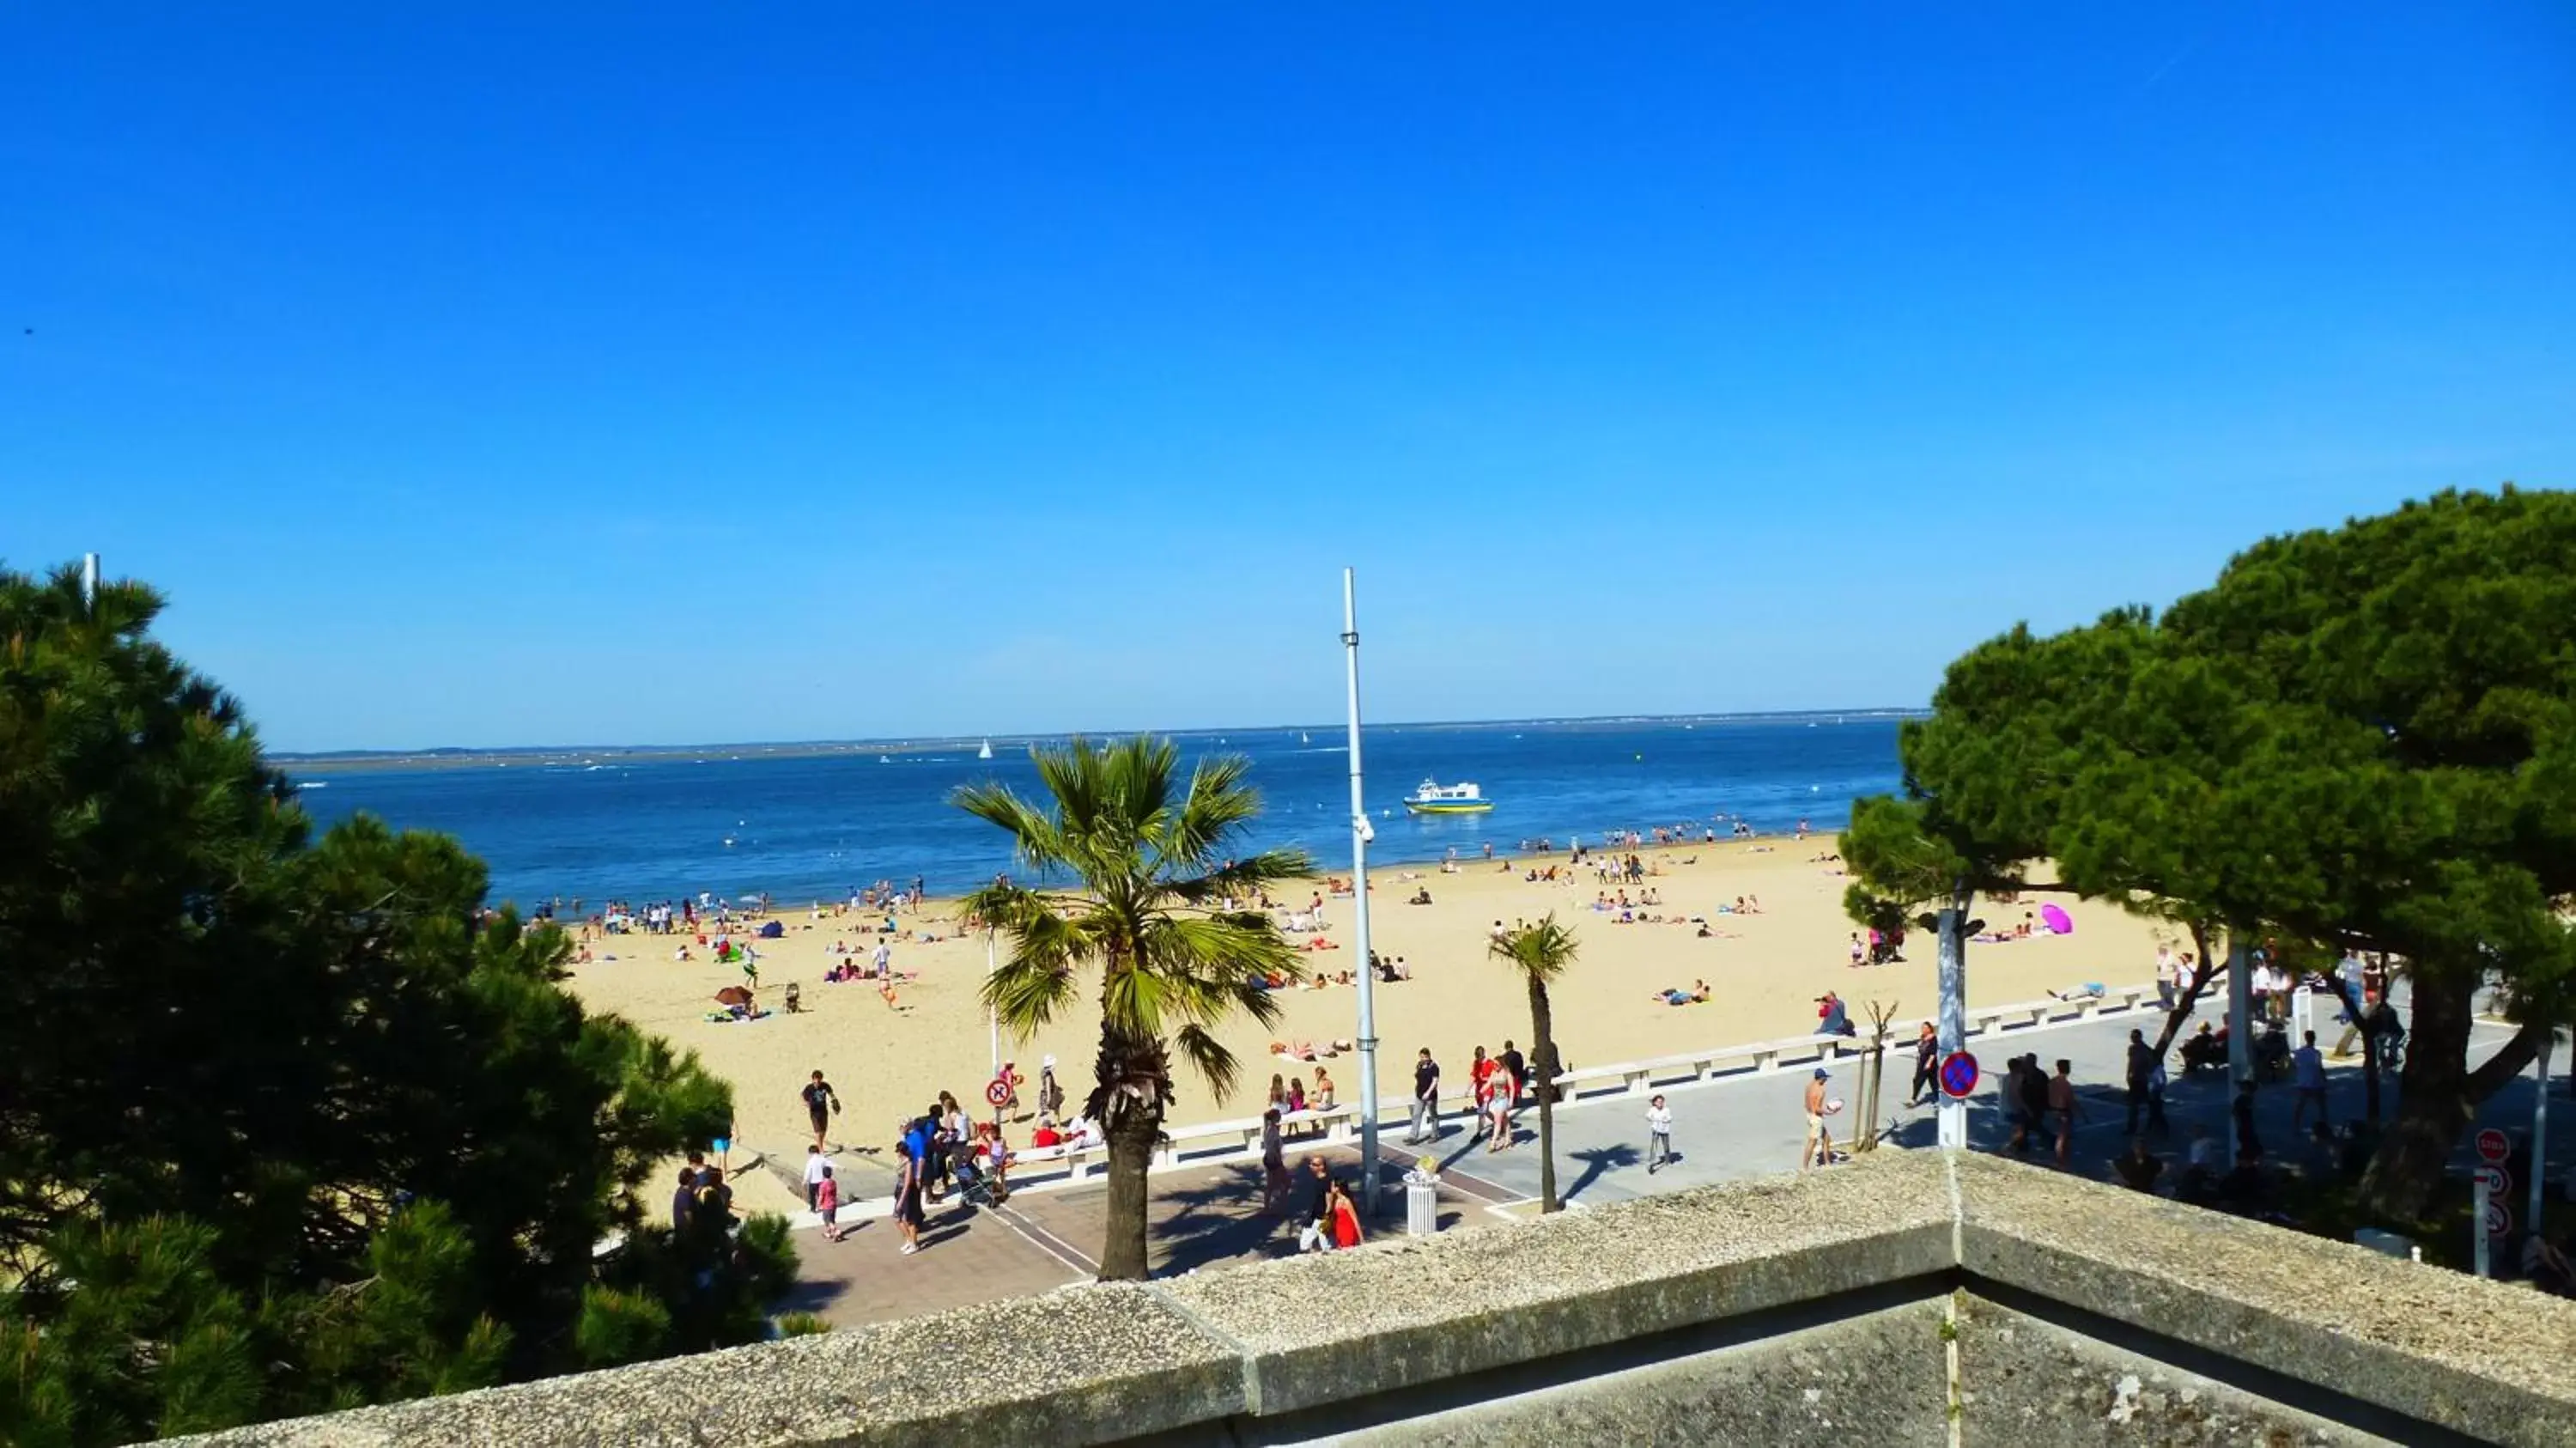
(1819, 1138)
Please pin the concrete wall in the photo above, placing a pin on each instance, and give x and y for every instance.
(1895, 1301)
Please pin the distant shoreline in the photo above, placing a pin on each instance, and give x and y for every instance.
(349, 760)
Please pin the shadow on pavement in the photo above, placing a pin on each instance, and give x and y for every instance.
(1599, 1159)
(1218, 1220)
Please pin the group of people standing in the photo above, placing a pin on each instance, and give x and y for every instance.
(941, 1150)
(1497, 1083)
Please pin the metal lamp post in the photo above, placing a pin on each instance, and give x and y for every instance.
(1360, 836)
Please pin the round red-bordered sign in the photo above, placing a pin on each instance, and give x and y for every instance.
(2494, 1146)
(999, 1092)
(1958, 1075)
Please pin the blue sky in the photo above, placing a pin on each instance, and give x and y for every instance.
(653, 374)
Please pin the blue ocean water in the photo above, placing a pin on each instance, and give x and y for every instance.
(648, 827)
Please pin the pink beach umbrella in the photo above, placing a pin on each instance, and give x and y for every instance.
(2055, 919)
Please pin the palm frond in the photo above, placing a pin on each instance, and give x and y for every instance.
(1218, 806)
(1246, 877)
(1037, 839)
(1539, 951)
(1219, 952)
(1036, 980)
(1213, 1061)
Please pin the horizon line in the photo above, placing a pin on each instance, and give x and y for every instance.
(929, 740)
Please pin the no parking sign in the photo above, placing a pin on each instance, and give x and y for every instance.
(1958, 1075)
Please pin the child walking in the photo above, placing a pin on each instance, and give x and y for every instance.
(1659, 1134)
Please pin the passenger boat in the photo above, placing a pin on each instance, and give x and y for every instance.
(1437, 798)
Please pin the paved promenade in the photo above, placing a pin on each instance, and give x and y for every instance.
(1728, 1129)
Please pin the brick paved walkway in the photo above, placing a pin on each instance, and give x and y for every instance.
(1207, 1218)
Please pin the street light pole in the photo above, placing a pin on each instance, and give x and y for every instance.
(1951, 1116)
(1360, 835)
(992, 1012)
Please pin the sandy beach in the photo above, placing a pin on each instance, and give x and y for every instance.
(1764, 971)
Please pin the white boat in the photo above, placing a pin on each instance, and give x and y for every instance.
(885, 759)
(986, 752)
(1433, 797)
(1305, 738)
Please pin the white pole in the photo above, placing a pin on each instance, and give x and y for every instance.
(993, 1013)
(2478, 1222)
(89, 583)
(2539, 1126)
(1951, 1117)
(1360, 833)
(2240, 1029)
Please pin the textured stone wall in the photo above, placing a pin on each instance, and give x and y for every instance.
(1896, 1301)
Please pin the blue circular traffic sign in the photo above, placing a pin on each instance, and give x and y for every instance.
(1958, 1074)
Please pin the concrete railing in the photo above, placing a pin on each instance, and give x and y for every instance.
(1913, 1297)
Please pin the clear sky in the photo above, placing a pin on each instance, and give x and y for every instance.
(492, 374)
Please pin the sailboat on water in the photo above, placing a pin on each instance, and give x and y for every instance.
(986, 752)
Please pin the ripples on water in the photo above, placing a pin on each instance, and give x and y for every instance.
(736, 821)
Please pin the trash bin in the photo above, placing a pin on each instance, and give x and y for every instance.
(1421, 1203)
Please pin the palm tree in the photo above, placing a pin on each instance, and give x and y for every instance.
(1540, 953)
(1145, 853)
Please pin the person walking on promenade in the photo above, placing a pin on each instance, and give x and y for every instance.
(1820, 1139)
(1659, 1134)
(1274, 1163)
(2140, 1077)
(1345, 1218)
(2308, 1080)
(815, 1170)
(827, 1205)
(2247, 1142)
(2034, 1100)
(1927, 1063)
(907, 1195)
(1426, 1099)
(1316, 1234)
(2063, 1104)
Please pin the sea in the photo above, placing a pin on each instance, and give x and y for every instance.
(814, 822)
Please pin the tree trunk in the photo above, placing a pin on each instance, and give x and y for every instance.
(2186, 1005)
(1134, 1088)
(1131, 1151)
(2438, 1095)
(1543, 1048)
(1869, 1074)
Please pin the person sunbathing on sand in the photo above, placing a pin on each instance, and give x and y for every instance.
(1696, 995)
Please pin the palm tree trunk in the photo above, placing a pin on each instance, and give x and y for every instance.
(1134, 1086)
(1543, 1051)
(1131, 1151)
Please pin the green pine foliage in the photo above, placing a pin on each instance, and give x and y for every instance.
(2361, 738)
(290, 1123)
